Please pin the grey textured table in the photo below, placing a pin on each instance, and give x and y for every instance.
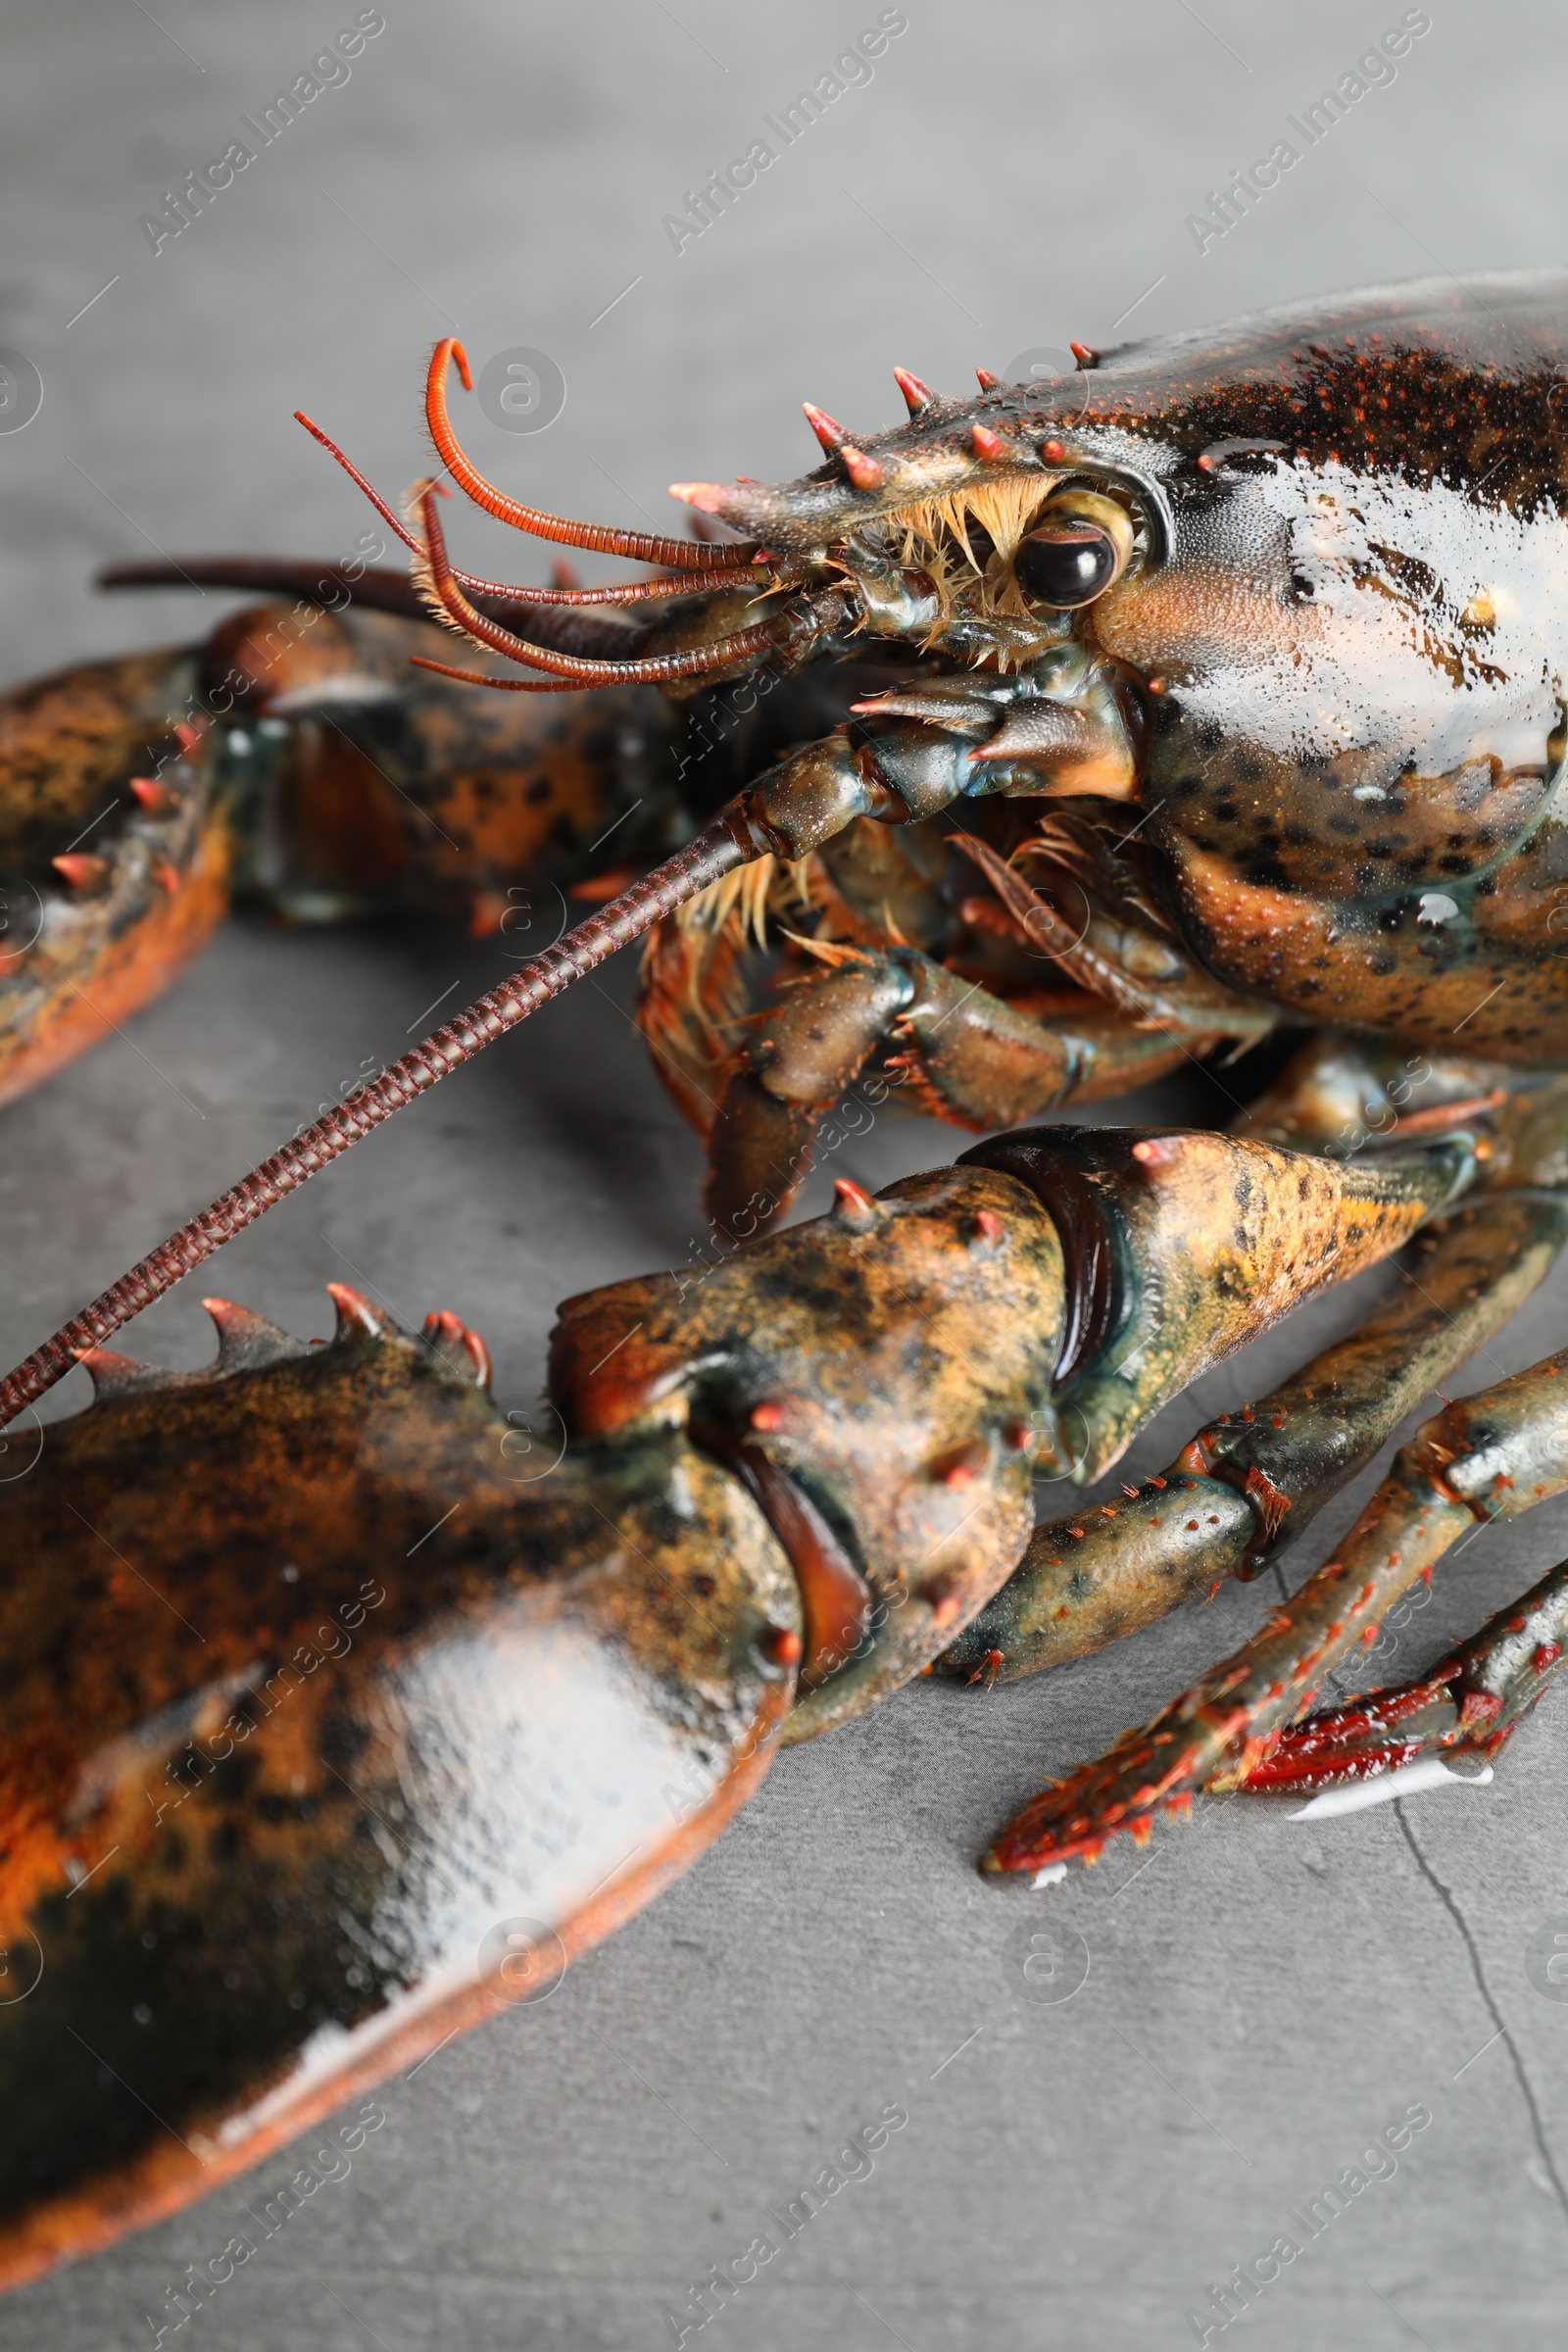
(1262, 1998)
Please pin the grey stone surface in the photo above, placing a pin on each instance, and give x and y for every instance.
(1261, 1997)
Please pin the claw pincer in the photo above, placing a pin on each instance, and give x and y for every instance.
(313, 1688)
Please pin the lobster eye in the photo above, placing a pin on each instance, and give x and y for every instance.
(1066, 564)
(1080, 545)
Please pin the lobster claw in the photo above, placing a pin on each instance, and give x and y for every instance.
(358, 1713)
(116, 852)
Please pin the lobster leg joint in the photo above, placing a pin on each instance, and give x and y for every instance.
(811, 795)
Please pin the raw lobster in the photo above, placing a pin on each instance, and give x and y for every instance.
(1242, 655)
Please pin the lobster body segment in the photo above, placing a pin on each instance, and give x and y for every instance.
(1183, 1247)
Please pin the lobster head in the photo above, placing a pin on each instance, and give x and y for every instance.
(1273, 536)
(1236, 574)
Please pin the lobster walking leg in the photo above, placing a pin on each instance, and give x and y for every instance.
(1474, 1699)
(1489, 1456)
(1250, 1483)
(963, 1053)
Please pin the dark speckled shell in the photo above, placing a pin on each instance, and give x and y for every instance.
(1361, 634)
(308, 1687)
(1347, 633)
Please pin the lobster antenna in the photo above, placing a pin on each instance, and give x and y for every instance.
(380, 590)
(715, 852)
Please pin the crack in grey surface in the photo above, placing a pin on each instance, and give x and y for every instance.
(1538, 2127)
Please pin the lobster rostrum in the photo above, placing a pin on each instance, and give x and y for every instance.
(1212, 690)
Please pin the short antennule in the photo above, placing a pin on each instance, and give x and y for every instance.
(728, 567)
(652, 670)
